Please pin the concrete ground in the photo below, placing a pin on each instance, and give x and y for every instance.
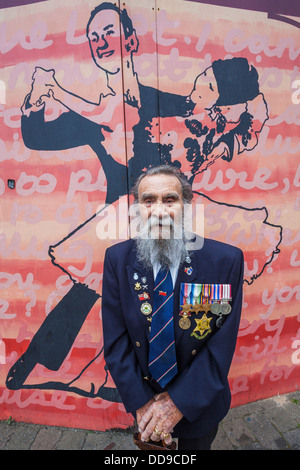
(270, 424)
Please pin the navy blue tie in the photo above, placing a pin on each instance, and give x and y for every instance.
(162, 356)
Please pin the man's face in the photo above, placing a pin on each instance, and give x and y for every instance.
(160, 204)
(104, 40)
(205, 92)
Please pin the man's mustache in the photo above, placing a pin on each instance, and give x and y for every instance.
(162, 221)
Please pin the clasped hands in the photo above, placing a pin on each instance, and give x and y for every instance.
(157, 418)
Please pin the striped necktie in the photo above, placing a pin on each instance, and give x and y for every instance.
(162, 356)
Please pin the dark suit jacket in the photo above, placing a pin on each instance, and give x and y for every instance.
(200, 390)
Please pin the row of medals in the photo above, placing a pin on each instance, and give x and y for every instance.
(220, 309)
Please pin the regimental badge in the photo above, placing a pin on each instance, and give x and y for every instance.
(203, 327)
(144, 296)
(188, 270)
(146, 308)
(137, 286)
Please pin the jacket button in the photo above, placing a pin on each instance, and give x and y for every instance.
(194, 352)
(138, 344)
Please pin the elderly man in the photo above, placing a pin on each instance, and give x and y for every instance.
(170, 317)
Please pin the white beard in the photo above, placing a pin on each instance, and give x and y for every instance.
(161, 241)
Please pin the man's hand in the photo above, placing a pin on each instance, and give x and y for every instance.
(140, 412)
(159, 419)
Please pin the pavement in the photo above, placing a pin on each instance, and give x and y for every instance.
(269, 424)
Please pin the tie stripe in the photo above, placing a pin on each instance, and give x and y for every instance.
(163, 304)
(161, 377)
(162, 329)
(163, 280)
(161, 353)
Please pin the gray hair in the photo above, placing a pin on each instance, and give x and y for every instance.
(186, 188)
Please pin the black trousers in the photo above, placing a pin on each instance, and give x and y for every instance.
(199, 443)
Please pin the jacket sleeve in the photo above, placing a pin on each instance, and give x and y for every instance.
(206, 376)
(118, 350)
(69, 130)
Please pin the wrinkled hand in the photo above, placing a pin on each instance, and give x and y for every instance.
(162, 415)
(140, 412)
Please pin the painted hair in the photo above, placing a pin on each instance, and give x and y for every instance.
(124, 18)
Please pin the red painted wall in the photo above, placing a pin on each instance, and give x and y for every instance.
(67, 136)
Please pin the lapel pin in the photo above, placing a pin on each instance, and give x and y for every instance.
(137, 286)
(135, 276)
(146, 308)
(188, 270)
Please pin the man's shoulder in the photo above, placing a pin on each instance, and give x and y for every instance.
(120, 249)
(216, 249)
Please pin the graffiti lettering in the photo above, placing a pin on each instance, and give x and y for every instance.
(283, 295)
(29, 184)
(236, 41)
(36, 39)
(296, 354)
(259, 181)
(296, 93)
(22, 400)
(2, 352)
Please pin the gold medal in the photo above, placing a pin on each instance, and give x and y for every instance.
(206, 306)
(185, 309)
(197, 308)
(184, 322)
(146, 308)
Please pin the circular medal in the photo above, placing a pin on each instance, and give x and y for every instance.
(215, 308)
(146, 308)
(219, 322)
(225, 308)
(184, 323)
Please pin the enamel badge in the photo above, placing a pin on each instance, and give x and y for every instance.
(203, 327)
(146, 308)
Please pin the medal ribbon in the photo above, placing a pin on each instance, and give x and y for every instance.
(226, 292)
(205, 291)
(215, 292)
(197, 293)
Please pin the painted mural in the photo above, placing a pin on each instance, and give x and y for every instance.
(93, 93)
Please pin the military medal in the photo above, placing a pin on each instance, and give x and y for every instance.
(197, 307)
(206, 306)
(146, 308)
(186, 307)
(215, 297)
(184, 322)
(203, 327)
(226, 297)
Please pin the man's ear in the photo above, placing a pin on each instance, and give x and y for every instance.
(132, 43)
